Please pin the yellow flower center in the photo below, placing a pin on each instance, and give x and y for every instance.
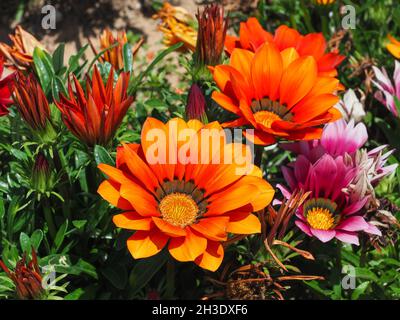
(266, 118)
(320, 218)
(178, 209)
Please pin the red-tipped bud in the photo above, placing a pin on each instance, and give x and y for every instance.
(196, 104)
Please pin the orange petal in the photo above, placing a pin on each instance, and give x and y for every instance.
(225, 102)
(212, 258)
(187, 248)
(266, 71)
(143, 202)
(169, 229)
(297, 80)
(241, 61)
(114, 173)
(312, 107)
(145, 244)
(288, 56)
(286, 37)
(231, 198)
(109, 191)
(313, 44)
(132, 221)
(258, 137)
(213, 228)
(243, 223)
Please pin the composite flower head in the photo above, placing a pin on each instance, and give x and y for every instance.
(95, 114)
(278, 93)
(389, 91)
(252, 35)
(5, 95)
(341, 176)
(177, 190)
(329, 212)
(19, 54)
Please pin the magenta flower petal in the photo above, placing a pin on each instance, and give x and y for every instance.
(354, 223)
(323, 235)
(372, 229)
(348, 237)
(304, 227)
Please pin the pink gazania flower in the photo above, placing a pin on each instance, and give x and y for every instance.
(329, 212)
(389, 91)
(341, 177)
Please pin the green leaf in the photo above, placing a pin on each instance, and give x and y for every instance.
(117, 275)
(36, 238)
(44, 68)
(73, 62)
(144, 270)
(2, 208)
(364, 273)
(25, 242)
(79, 224)
(86, 267)
(57, 87)
(74, 295)
(162, 55)
(60, 236)
(101, 155)
(359, 290)
(58, 58)
(128, 57)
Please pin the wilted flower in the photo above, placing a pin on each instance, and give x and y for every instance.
(19, 56)
(211, 35)
(351, 107)
(176, 26)
(393, 46)
(114, 56)
(32, 104)
(278, 93)
(5, 95)
(26, 277)
(94, 115)
(252, 36)
(170, 201)
(196, 104)
(389, 93)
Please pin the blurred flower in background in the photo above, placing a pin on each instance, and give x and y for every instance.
(177, 26)
(325, 2)
(389, 93)
(19, 55)
(393, 46)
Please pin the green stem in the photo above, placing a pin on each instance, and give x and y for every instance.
(170, 286)
(48, 216)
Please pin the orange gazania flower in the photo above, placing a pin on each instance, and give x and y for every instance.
(176, 26)
(114, 56)
(252, 36)
(278, 93)
(393, 46)
(19, 55)
(94, 116)
(325, 2)
(191, 206)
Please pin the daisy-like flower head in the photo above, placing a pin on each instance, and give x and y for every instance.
(19, 55)
(278, 93)
(177, 190)
(329, 212)
(252, 36)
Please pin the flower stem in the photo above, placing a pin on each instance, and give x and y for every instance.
(170, 285)
(48, 216)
